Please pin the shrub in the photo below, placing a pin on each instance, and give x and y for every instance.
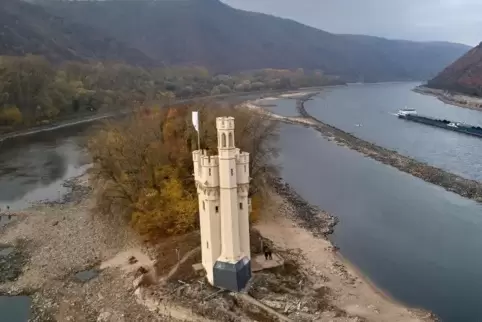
(10, 116)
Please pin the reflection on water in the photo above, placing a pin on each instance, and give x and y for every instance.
(34, 168)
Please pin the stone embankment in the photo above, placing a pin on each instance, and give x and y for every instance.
(307, 216)
(465, 187)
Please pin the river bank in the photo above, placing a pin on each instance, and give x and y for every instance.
(456, 99)
(77, 280)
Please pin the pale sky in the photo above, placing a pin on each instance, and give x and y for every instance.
(425, 20)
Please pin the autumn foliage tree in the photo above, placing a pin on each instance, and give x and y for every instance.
(143, 164)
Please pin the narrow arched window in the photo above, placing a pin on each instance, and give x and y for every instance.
(204, 206)
(223, 140)
(230, 140)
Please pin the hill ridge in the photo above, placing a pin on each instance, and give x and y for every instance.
(212, 34)
(463, 76)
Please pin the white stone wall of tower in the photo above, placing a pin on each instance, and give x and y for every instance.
(242, 165)
(210, 234)
(209, 175)
(206, 173)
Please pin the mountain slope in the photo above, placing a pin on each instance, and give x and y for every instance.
(464, 75)
(224, 39)
(26, 28)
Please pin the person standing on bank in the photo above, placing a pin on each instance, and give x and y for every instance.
(268, 254)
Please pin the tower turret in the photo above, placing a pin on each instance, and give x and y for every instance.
(228, 188)
(242, 165)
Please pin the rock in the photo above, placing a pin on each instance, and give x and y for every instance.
(132, 260)
(142, 270)
(106, 316)
(274, 304)
(55, 223)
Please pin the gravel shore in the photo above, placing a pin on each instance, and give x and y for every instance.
(455, 99)
(50, 244)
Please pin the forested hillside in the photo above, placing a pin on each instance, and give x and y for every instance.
(463, 76)
(27, 28)
(34, 90)
(223, 39)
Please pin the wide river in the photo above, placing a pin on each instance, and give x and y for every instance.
(418, 242)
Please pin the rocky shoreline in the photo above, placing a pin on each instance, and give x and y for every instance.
(455, 99)
(451, 182)
(307, 216)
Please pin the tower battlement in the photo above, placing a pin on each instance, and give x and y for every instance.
(242, 158)
(209, 161)
(225, 123)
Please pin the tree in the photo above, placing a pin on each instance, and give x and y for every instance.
(10, 116)
(143, 164)
(43, 91)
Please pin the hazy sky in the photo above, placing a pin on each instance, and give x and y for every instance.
(450, 20)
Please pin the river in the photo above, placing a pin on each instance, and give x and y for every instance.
(34, 168)
(367, 112)
(418, 242)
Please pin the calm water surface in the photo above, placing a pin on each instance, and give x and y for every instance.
(367, 112)
(415, 240)
(15, 308)
(34, 168)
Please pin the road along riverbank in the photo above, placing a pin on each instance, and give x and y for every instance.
(57, 124)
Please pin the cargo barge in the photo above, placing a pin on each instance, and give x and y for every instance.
(411, 115)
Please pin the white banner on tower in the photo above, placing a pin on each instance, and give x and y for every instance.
(195, 120)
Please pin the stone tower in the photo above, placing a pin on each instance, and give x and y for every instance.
(222, 183)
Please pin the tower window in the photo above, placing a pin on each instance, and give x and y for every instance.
(230, 140)
(223, 140)
(245, 168)
(217, 209)
(241, 205)
(209, 171)
(232, 172)
(207, 245)
(204, 205)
